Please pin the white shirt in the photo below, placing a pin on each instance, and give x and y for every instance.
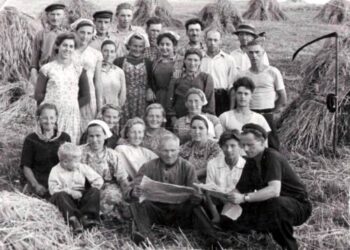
(266, 83)
(222, 68)
(242, 60)
(229, 121)
(61, 179)
(220, 174)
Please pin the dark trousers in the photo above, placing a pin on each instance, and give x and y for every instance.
(184, 215)
(276, 215)
(273, 139)
(88, 205)
(222, 101)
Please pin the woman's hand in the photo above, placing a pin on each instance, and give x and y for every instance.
(40, 189)
(150, 97)
(76, 194)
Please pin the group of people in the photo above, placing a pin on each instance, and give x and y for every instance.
(115, 106)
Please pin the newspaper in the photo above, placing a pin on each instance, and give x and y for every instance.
(229, 210)
(163, 192)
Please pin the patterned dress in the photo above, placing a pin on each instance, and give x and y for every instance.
(62, 90)
(136, 86)
(89, 59)
(200, 153)
(106, 164)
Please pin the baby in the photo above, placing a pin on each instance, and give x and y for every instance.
(79, 204)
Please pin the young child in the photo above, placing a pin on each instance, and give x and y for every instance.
(110, 115)
(79, 205)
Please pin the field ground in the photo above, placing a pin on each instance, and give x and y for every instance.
(327, 179)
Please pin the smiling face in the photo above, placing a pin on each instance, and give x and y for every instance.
(153, 31)
(96, 137)
(154, 118)
(231, 149)
(169, 151)
(56, 17)
(136, 47)
(47, 120)
(243, 96)
(194, 104)
(124, 18)
(102, 25)
(199, 132)
(136, 134)
(66, 49)
(194, 33)
(111, 117)
(166, 47)
(109, 53)
(251, 145)
(192, 63)
(85, 34)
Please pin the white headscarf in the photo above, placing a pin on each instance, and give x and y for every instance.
(103, 125)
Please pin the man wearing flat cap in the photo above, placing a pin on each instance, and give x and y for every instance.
(102, 20)
(45, 39)
(246, 33)
(271, 194)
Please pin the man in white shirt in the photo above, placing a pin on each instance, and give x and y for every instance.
(269, 96)
(246, 33)
(221, 66)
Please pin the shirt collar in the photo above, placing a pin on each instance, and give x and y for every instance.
(240, 163)
(221, 54)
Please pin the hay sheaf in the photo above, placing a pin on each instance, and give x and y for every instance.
(312, 128)
(334, 12)
(17, 37)
(222, 15)
(264, 10)
(159, 8)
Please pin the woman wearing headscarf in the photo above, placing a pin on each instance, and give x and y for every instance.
(137, 71)
(200, 149)
(39, 153)
(195, 100)
(104, 161)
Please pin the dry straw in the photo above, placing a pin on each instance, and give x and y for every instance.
(16, 39)
(264, 10)
(312, 128)
(334, 12)
(160, 8)
(222, 15)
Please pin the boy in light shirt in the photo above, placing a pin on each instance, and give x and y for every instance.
(80, 206)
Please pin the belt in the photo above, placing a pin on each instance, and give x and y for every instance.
(263, 111)
(220, 90)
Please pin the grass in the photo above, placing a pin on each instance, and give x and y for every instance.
(327, 179)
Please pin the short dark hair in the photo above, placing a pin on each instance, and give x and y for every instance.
(46, 106)
(108, 42)
(258, 131)
(245, 82)
(229, 135)
(193, 21)
(200, 118)
(167, 35)
(193, 51)
(153, 20)
(123, 6)
(64, 36)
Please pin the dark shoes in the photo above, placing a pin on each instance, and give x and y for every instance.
(138, 238)
(76, 225)
(89, 223)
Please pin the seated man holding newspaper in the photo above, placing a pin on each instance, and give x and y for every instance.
(167, 195)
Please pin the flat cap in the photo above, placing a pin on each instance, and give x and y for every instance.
(103, 14)
(246, 28)
(55, 6)
(255, 129)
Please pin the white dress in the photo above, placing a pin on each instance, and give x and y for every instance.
(89, 59)
(62, 90)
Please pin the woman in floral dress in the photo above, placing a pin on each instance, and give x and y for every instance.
(137, 71)
(64, 84)
(104, 161)
(91, 60)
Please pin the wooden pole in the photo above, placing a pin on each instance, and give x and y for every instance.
(335, 132)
